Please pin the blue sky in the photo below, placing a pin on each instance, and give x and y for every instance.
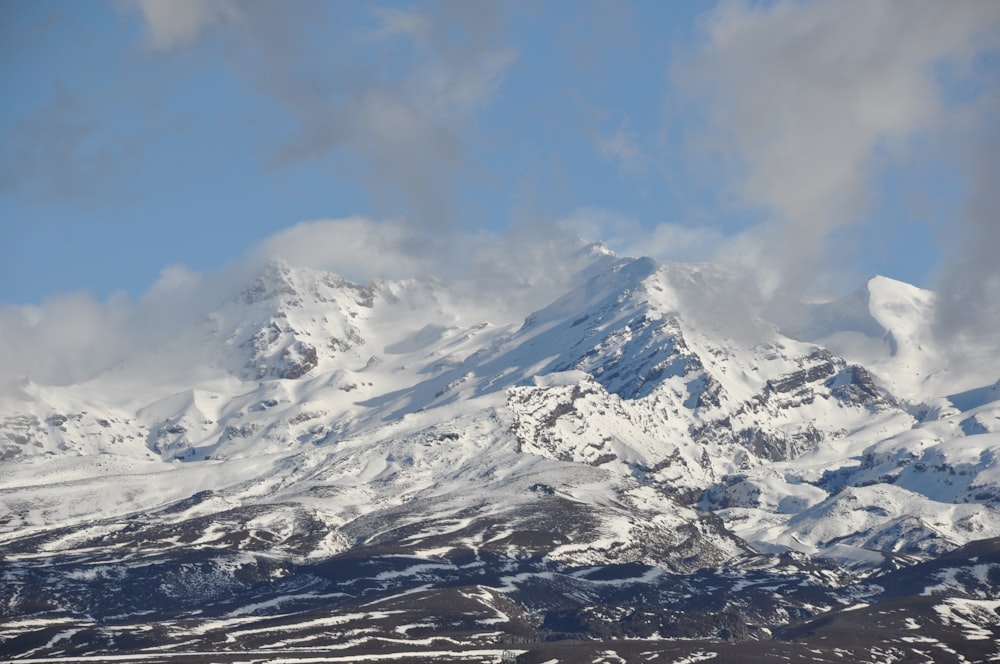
(830, 139)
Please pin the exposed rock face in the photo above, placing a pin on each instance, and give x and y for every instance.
(296, 316)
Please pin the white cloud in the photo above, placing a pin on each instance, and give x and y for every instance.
(61, 339)
(173, 23)
(74, 337)
(500, 279)
(627, 237)
(356, 248)
(800, 98)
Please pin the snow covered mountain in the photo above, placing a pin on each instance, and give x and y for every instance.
(322, 467)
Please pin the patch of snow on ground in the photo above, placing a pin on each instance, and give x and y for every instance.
(979, 618)
(699, 656)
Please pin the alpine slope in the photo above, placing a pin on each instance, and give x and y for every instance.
(647, 467)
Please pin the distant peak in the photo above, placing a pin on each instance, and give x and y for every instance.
(274, 280)
(883, 290)
(635, 268)
(277, 264)
(878, 283)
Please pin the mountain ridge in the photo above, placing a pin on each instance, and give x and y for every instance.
(621, 425)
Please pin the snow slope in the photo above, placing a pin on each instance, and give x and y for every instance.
(628, 422)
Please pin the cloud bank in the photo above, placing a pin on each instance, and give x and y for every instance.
(968, 285)
(500, 279)
(804, 102)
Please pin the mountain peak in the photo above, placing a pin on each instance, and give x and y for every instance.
(597, 249)
(289, 318)
(886, 293)
(274, 281)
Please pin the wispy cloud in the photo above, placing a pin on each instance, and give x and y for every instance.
(390, 106)
(395, 22)
(801, 99)
(356, 247)
(497, 277)
(622, 147)
(494, 278)
(53, 150)
(628, 237)
(174, 23)
(968, 284)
